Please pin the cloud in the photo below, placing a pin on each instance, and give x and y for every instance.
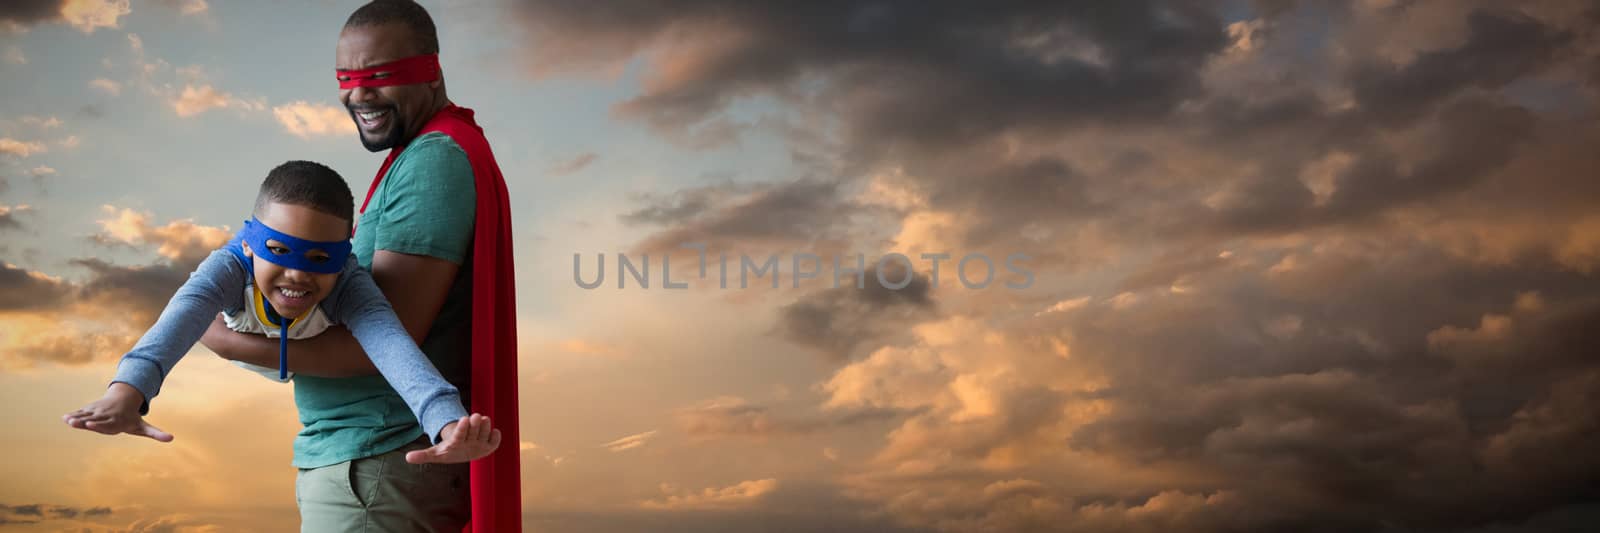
(845, 322)
(27, 12)
(1312, 267)
(8, 216)
(74, 323)
(190, 7)
(14, 55)
(20, 148)
(42, 171)
(732, 416)
(1065, 305)
(742, 494)
(305, 120)
(176, 523)
(45, 511)
(629, 442)
(743, 219)
(182, 241)
(90, 15)
(41, 122)
(107, 86)
(573, 165)
(1289, 248)
(195, 100)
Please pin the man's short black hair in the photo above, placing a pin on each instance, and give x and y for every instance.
(407, 12)
(308, 184)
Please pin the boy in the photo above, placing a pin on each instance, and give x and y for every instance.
(292, 259)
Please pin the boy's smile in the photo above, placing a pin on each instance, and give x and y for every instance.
(293, 292)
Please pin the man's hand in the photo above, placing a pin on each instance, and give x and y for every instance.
(461, 441)
(116, 412)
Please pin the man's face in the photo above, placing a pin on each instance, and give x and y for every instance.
(385, 117)
(293, 292)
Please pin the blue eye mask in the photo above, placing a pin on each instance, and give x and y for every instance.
(256, 235)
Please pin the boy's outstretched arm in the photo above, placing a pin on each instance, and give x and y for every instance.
(116, 412)
(144, 368)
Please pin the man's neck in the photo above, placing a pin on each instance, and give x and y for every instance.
(443, 103)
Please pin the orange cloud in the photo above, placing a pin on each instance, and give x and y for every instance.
(42, 122)
(175, 240)
(306, 120)
(90, 15)
(20, 148)
(740, 495)
(629, 442)
(197, 100)
(109, 87)
(194, 7)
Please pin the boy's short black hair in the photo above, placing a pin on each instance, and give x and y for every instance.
(308, 184)
(414, 16)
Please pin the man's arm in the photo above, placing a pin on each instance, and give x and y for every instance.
(415, 285)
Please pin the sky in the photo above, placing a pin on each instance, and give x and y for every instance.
(1291, 265)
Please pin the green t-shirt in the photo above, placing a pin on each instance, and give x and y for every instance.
(424, 206)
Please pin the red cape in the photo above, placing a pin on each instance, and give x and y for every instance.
(496, 479)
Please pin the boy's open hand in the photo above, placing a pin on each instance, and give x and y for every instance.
(460, 441)
(116, 412)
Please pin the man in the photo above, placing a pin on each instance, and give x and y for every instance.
(435, 232)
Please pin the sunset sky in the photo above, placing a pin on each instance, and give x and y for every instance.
(1299, 265)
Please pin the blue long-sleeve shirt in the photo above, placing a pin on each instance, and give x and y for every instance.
(356, 302)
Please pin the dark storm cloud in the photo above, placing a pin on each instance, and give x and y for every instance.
(1367, 357)
(1357, 406)
(741, 419)
(141, 291)
(21, 290)
(845, 322)
(30, 11)
(932, 88)
(1004, 64)
(37, 512)
(911, 78)
(723, 216)
(1498, 50)
(8, 217)
(121, 299)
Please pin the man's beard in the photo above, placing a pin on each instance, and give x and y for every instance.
(395, 136)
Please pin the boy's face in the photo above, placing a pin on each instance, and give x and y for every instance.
(293, 292)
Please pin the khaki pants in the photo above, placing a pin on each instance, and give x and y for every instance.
(383, 493)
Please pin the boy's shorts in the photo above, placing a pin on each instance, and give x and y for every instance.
(384, 493)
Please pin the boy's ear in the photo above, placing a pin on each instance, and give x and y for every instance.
(246, 247)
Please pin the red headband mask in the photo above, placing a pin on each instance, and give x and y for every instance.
(414, 69)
